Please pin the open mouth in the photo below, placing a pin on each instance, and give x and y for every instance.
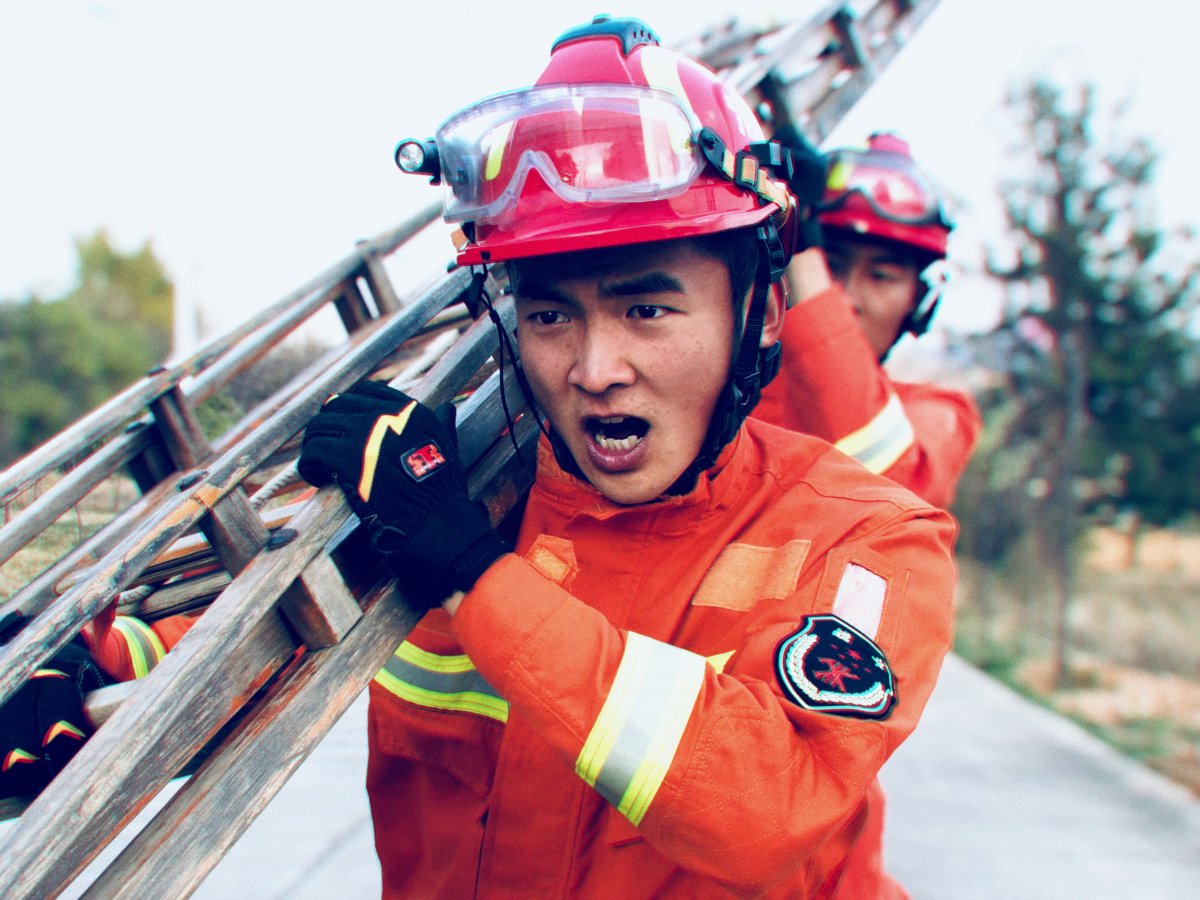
(616, 434)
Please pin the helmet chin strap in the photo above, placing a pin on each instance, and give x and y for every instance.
(932, 284)
(753, 366)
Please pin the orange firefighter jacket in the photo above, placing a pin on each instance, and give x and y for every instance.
(830, 385)
(656, 700)
(126, 647)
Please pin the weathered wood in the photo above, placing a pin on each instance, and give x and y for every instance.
(143, 746)
(174, 517)
(378, 281)
(319, 607)
(352, 306)
(111, 417)
(172, 855)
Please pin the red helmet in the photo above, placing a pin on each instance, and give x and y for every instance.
(881, 192)
(621, 141)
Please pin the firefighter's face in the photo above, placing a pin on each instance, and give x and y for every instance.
(627, 352)
(882, 281)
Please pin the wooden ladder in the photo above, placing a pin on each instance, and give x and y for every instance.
(296, 620)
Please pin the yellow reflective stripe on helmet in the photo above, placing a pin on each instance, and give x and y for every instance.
(634, 739)
(495, 154)
(661, 68)
(145, 648)
(883, 440)
(440, 682)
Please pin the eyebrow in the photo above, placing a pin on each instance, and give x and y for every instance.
(649, 283)
(638, 285)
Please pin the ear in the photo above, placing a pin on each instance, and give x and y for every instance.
(773, 318)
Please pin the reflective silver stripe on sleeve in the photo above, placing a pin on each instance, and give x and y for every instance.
(145, 648)
(634, 739)
(440, 682)
(883, 440)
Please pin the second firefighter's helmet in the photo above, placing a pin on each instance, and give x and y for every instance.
(880, 192)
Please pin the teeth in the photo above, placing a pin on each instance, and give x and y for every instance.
(611, 420)
(616, 444)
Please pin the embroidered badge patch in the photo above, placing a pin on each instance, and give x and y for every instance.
(423, 461)
(830, 666)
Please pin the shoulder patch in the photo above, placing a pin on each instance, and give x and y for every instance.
(829, 666)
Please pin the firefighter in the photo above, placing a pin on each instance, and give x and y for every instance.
(880, 275)
(684, 673)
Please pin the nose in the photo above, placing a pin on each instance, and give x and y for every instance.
(854, 282)
(602, 359)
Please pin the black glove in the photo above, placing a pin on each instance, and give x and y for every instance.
(807, 184)
(42, 725)
(397, 463)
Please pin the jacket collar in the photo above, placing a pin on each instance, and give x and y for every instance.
(715, 489)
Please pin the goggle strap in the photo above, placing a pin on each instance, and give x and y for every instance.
(745, 168)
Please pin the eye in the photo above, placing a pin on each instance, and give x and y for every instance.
(887, 274)
(546, 317)
(646, 311)
(837, 266)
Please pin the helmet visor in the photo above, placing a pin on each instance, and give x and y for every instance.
(889, 182)
(589, 144)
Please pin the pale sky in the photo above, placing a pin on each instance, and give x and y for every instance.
(251, 142)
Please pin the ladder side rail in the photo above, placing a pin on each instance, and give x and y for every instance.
(77, 564)
(232, 651)
(113, 415)
(61, 621)
(886, 31)
(806, 42)
(30, 522)
(95, 427)
(133, 750)
(181, 845)
(261, 341)
(185, 840)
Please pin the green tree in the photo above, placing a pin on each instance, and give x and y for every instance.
(1101, 360)
(63, 357)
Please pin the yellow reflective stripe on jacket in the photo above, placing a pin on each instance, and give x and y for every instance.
(883, 440)
(630, 747)
(145, 648)
(440, 682)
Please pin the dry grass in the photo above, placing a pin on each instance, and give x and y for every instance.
(1134, 653)
(96, 509)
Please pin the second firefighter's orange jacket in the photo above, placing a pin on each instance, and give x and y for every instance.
(687, 698)
(126, 647)
(830, 385)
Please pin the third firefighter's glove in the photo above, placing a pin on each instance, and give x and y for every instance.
(397, 463)
(807, 184)
(43, 725)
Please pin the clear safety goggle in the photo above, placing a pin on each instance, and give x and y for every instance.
(893, 187)
(590, 144)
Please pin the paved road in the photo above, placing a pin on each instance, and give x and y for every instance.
(993, 797)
